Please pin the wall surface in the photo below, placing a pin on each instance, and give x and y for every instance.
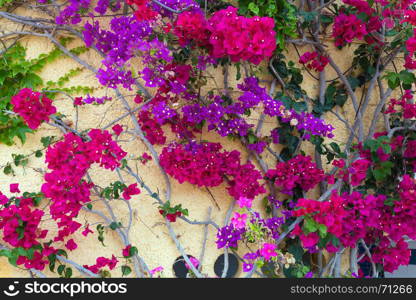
(149, 233)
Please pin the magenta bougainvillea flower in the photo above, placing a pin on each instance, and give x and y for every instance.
(25, 217)
(347, 28)
(206, 165)
(33, 107)
(117, 129)
(299, 171)
(126, 251)
(87, 230)
(163, 52)
(245, 202)
(191, 26)
(102, 262)
(71, 245)
(239, 220)
(314, 61)
(268, 251)
(241, 38)
(14, 188)
(131, 190)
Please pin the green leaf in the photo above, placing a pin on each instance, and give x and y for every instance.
(61, 269)
(125, 270)
(20, 160)
(47, 140)
(115, 225)
(383, 171)
(62, 253)
(8, 170)
(254, 8)
(322, 230)
(38, 153)
(335, 147)
(326, 19)
(68, 272)
(393, 80)
(31, 80)
(52, 262)
(310, 225)
(133, 251)
(407, 77)
(252, 138)
(354, 82)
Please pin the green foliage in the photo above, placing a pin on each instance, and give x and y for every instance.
(13, 254)
(16, 73)
(168, 209)
(64, 79)
(100, 230)
(291, 76)
(310, 225)
(115, 225)
(331, 150)
(374, 144)
(64, 271)
(36, 197)
(329, 238)
(113, 191)
(404, 78)
(289, 138)
(255, 232)
(5, 2)
(47, 140)
(22, 160)
(125, 270)
(335, 95)
(383, 171)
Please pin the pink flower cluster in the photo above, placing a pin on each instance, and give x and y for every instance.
(352, 217)
(192, 26)
(102, 262)
(152, 129)
(360, 5)
(410, 151)
(143, 12)
(408, 108)
(347, 28)
(357, 172)
(36, 262)
(299, 171)
(314, 61)
(69, 161)
(228, 34)
(131, 190)
(411, 44)
(241, 38)
(410, 62)
(20, 224)
(33, 107)
(206, 165)
(268, 251)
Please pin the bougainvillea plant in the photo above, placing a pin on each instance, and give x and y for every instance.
(315, 170)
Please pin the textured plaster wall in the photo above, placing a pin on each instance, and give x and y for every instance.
(149, 233)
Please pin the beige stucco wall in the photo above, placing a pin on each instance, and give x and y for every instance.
(149, 233)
